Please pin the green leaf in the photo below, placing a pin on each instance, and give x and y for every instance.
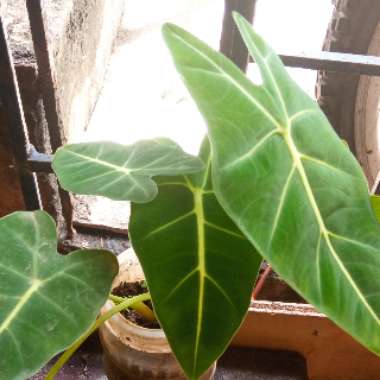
(199, 267)
(121, 172)
(288, 181)
(375, 201)
(47, 300)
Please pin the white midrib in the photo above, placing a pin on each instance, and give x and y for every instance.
(103, 163)
(199, 212)
(198, 193)
(20, 304)
(323, 230)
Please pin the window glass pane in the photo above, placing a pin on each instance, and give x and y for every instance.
(143, 97)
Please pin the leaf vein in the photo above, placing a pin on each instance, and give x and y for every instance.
(169, 224)
(252, 99)
(224, 230)
(281, 204)
(223, 292)
(180, 283)
(252, 151)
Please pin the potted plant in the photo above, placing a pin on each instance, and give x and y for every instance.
(277, 183)
(137, 349)
(183, 227)
(314, 222)
(52, 300)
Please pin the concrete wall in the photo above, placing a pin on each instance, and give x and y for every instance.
(81, 57)
(81, 35)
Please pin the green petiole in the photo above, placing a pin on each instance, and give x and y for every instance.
(140, 307)
(125, 304)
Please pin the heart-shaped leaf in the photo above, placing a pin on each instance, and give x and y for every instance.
(288, 181)
(121, 172)
(200, 269)
(47, 300)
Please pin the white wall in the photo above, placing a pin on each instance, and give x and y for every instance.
(143, 96)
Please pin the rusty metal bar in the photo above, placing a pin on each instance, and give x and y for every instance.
(39, 162)
(46, 82)
(10, 97)
(231, 43)
(45, 75)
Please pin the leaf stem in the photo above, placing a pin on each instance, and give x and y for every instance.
(140, 307)
(260, 283)
(127, 302)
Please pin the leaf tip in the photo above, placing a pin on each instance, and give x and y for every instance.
(241, 21)
(237, 17)
(169, 29)
(244, 25)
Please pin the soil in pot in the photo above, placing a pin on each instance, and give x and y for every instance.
(131, 289)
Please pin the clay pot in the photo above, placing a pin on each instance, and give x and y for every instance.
(132, 352)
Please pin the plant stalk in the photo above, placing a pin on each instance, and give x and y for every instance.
(140, 307)
(127, 302)
(260, 283)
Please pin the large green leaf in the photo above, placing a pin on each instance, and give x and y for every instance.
(121, 172)
(46, 300)
(199, 267)
(288, 181)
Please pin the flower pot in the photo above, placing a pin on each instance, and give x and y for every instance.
(132, 352)
(330, 353)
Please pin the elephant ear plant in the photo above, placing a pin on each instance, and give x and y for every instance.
(277, 182)
(199, 267)
(49, 302)
(288, 181)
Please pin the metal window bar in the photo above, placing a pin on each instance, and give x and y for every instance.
(45, 77)
(10, 97)
(29, 161)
